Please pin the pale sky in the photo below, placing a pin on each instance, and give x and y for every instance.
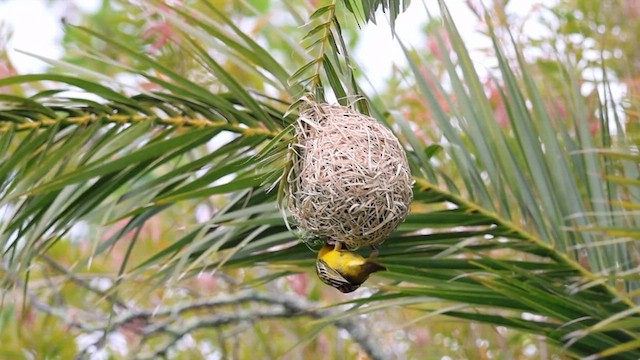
(37, 29)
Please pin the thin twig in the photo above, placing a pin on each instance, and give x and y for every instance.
(81, 282)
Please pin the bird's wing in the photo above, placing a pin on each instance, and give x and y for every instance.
(333, 278)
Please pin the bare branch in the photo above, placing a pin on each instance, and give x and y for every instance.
(291, 307)
(173, 321)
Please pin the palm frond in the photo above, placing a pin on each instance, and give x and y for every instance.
(530, 226)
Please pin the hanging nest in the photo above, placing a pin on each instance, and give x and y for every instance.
(350, 180)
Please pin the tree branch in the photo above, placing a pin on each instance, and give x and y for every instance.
(172, 320)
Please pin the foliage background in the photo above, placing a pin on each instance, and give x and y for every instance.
(522, 239)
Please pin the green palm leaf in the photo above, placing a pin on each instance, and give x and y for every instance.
(505, 221)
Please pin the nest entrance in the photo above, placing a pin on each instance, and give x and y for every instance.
(351, 180)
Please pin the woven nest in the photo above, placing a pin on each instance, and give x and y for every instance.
(350, 181)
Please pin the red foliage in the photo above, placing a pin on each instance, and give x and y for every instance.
(434, 47)
(299, 283)
(497, 103)
(162, 32)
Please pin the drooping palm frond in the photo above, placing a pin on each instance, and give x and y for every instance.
(536, 219)
(140, 153)
(539, 192)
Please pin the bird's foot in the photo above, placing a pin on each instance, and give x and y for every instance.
(374, 253)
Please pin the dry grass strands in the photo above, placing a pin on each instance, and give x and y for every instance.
(350, 181)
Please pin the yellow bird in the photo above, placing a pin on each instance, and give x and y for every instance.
(343, 269)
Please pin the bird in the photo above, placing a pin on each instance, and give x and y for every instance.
(344, 269)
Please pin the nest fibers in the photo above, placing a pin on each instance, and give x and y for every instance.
(350, 181)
